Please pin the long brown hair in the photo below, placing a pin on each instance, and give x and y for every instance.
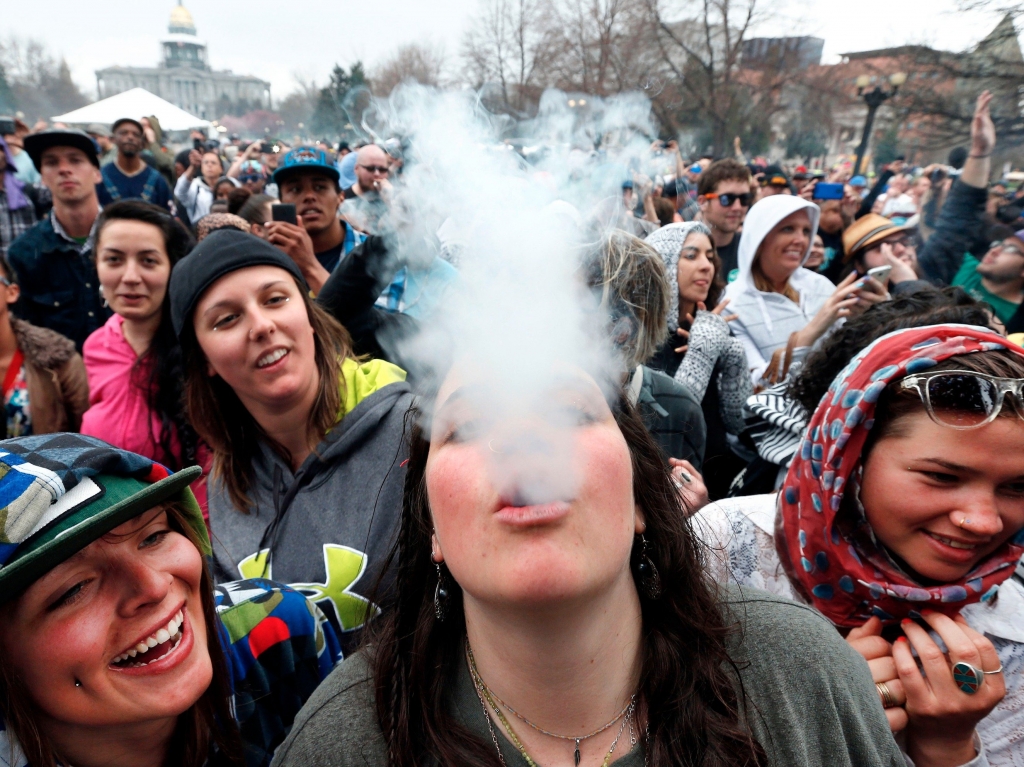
(690, 705)
(228, 428)
(207, 723)
(763, 284)
(159, 372)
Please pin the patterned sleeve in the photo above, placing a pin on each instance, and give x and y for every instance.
(709, 336)
(734, 386)
(741, 552)
(279, 646)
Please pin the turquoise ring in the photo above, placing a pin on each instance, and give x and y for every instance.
(967, 677)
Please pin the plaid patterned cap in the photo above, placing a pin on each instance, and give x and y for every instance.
(60, 492)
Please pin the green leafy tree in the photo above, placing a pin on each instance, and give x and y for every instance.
(330, 116)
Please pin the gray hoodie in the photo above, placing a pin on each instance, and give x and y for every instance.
(338, 515)
(765, 321)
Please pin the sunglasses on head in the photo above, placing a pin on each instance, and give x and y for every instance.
(376, 168)
(961, 399)
(728, 198)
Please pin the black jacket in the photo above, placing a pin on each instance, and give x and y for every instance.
(960, 224)
(350, 294)
(59, 286)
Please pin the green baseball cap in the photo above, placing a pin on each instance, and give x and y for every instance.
(61, 492)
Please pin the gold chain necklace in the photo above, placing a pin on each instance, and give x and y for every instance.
(484, 694)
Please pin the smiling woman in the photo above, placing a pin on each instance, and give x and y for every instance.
(307, 441)
(904, 510)
(782, 308)
(134, 360)
(115, 648)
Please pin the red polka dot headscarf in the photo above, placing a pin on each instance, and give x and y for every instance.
(841, 569)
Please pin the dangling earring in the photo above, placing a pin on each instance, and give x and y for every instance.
(441, 594)
(104, 298)
(647, 573)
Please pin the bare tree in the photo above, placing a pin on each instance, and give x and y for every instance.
(40, 82)
(416, 61)
(598, 47)
(708, 83)
(934, 107)
(504, 47)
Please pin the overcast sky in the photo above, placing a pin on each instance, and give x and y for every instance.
(266, 39)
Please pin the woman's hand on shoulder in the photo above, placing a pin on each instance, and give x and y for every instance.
(867, 640)
(942, 717)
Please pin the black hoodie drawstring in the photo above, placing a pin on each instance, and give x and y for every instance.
(269, 538)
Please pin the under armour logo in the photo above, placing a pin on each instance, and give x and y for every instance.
(344, 567)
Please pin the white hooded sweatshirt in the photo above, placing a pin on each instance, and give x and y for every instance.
(766, 320)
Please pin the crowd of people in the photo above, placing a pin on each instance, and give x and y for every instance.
(243, 523)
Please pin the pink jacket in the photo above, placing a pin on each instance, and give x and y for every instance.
(118, 412)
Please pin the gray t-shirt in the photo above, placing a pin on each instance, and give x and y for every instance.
(810, 699)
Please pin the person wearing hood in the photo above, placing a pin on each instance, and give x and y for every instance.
(308, 441)
(901, 520)
(701, 353)
(17, 213)
(781, 308)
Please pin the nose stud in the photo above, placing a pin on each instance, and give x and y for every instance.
(964, 521)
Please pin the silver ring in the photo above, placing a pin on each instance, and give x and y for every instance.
(997, 671)
(967, 677)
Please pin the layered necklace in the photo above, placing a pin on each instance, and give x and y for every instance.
(488, 700)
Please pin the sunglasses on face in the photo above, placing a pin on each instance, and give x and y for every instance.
(961, 399)
(1013, 250)
(376, 168)
(903, 242)
(728, 198)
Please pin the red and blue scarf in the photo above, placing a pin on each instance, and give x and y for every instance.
(841, 569)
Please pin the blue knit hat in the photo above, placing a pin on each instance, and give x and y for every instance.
(61, 492)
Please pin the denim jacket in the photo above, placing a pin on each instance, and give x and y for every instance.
(59, 286)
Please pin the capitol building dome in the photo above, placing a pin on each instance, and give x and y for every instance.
(181, 20)
(185, 78)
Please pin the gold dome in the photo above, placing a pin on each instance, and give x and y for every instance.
(181, 18)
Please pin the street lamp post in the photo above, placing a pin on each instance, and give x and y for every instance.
(874, 99)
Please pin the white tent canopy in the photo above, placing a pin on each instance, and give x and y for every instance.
(136, 103)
